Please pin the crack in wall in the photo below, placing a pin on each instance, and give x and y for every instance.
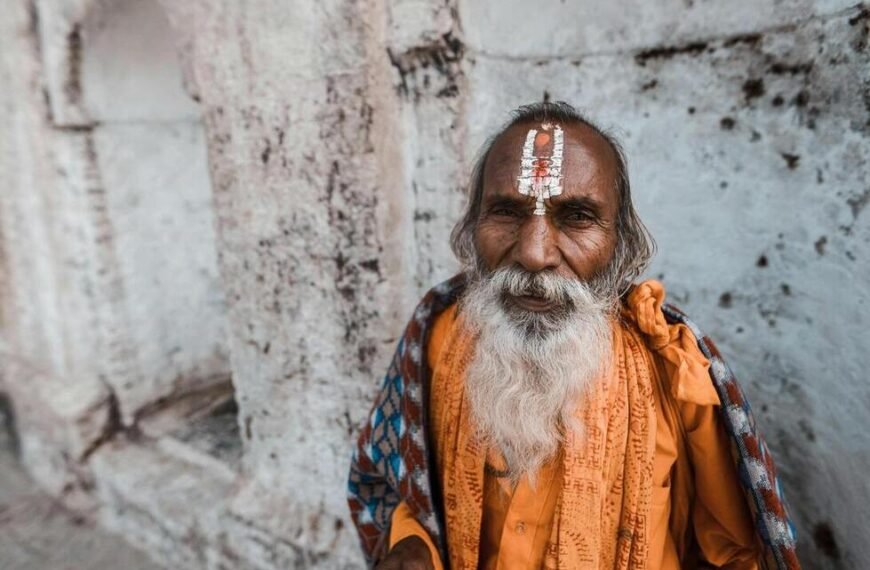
(855, 13)
(34, 36)
(111, 428)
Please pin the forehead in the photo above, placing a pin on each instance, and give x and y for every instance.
(589, 164)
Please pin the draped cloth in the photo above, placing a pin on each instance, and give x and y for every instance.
(607, 468)
(396, 460)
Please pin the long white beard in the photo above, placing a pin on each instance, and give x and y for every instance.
(530, 370)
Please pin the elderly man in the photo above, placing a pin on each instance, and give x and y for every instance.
(542, 409)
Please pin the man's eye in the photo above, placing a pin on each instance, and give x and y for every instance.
(577, 216)
(507, 212)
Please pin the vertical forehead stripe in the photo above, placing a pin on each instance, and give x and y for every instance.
(541, 175)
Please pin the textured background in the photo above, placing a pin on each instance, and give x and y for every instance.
(212, 199)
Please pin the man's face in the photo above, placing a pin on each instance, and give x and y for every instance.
(576, 236)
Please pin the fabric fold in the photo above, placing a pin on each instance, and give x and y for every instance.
(688, 369)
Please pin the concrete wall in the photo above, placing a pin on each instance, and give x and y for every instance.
(261, 190)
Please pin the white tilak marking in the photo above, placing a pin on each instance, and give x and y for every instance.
(549, 184)
(527, 162)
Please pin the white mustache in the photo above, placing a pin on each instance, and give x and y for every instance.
(546, 285)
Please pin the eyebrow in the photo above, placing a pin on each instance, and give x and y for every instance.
(507, 200)
(571, 202)
(577, 203)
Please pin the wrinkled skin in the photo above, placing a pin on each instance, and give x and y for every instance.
(576, 238)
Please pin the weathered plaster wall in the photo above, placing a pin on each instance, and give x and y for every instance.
(338, 137)
(112, 304)
(306, 218)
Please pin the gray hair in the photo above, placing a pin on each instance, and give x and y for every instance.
(635, 246)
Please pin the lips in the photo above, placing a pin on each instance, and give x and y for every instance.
(532, 303)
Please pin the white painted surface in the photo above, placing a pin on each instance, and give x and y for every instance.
(159, 200)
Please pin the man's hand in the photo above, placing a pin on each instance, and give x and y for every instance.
(410, 553)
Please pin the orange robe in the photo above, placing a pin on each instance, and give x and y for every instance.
(694, 506)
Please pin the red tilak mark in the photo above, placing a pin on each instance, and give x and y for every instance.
(541, 166)
(541, 169)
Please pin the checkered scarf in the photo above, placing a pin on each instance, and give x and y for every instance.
(392, 461)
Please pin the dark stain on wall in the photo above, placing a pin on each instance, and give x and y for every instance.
(823, 537)
(807, 430)
(858, 203)
(351, 204)
(668, 52)
(791, 160)
(862, 16)
(8, 424)
(861, 22)
(267, 151)
(651, 84)
(743, 39)
(780, 68)
(801, 99)
(432, 67)
(753, 89)
(73, 84)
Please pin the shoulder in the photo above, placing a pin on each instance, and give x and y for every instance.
(435, 313)
(437, 299)
(668, 335)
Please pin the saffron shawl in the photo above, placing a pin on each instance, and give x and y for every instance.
(393, 459)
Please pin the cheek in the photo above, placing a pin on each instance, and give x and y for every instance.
(588, 252)
(494, 241)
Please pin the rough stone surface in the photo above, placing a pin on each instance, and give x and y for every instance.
(209, 189)
(36, 531)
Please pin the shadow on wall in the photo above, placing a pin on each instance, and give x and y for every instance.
(8, 433)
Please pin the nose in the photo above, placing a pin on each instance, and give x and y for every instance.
(536, 248)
